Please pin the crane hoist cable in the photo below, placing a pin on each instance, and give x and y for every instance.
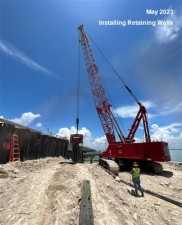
(78, 90)
(115, 72)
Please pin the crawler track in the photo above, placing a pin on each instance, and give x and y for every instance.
(174, 202)
(109, 165)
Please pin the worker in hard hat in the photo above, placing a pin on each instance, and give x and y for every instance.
(136, 179)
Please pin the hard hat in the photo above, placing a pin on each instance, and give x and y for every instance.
(135, 164)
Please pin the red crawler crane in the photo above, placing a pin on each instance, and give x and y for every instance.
(126, 150)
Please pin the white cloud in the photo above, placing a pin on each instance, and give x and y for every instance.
(21, 57)
(100, 140)
(130, 111)
(99, 143)
(171, 134)
(26, 118)
(66, 132)
(169, 33)
(38, 125)
(2, 117)
(171, 107)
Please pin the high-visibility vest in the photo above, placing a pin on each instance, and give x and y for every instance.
(136, 173)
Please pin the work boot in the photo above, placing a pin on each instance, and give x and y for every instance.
(136, 193)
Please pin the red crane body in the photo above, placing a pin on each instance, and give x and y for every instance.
(125, 149)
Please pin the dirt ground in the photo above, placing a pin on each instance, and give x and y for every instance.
(45, 192)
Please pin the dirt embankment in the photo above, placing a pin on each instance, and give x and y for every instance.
(45, 192)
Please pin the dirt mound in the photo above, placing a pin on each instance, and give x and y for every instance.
(44, 192)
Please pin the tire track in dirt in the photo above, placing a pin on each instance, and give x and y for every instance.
(63, 197)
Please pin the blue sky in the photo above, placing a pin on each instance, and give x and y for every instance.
(39, 66)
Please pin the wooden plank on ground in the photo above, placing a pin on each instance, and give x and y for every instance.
(86, 211)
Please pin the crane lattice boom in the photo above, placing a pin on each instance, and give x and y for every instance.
(101, 101)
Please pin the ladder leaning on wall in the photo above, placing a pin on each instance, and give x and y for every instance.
(14, 149)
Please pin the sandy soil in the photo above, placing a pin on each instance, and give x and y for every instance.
(45, 192)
